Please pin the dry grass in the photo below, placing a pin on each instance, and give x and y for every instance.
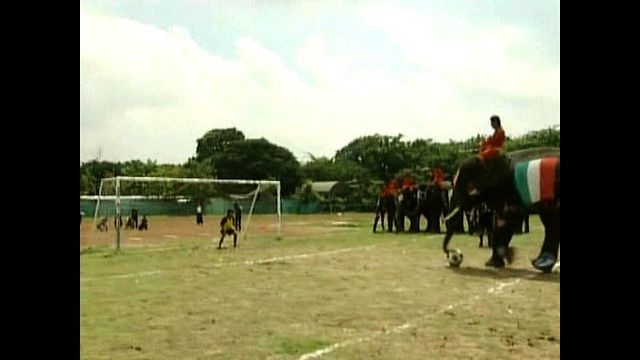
(359, 295)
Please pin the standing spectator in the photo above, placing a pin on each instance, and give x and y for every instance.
(134, 216)
(238, 218)
(380, 211)
(390, 203)
(485, 223)
(199, 220)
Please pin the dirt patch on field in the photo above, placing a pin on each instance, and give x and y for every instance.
(163, 230)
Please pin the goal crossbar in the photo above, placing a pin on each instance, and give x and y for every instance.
(194, 180)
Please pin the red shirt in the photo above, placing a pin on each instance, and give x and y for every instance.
(392, 187)
(493, 144)
(407, 183)
(438, 177)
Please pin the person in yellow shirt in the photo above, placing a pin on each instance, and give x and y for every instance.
(227, 228)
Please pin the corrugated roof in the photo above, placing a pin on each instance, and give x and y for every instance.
(323, 186)
(338, 188)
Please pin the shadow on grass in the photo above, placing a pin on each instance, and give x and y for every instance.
(507, 273)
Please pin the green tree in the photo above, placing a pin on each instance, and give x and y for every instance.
(380, 155)
(216, 141)
(259, 159)
(93, 171)
(325, 169)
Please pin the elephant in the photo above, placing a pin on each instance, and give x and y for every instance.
(513, 185)
(431, 204)
(407, 203)
(389, 205)
(425, 200)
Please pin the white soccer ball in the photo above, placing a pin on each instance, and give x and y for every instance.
(455, 257)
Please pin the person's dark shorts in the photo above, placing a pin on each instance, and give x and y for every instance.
(229, 231)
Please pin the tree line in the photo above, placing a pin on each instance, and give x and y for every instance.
(364, 162)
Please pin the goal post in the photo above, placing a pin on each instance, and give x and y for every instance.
(115, 184)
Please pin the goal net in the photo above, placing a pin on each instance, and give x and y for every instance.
(180, 208)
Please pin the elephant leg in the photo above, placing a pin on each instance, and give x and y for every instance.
(375, 222)
(430, 223)
(426, 218)
(551, 222)
(415, 223)
(400, 221)
(390, 220)
(500, 244)
(517, 225)
(434, 226)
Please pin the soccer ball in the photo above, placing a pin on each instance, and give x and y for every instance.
(455, 258)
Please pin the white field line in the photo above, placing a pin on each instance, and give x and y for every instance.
(144, 273)
(400, 328)
(247, 262)
(301, 256)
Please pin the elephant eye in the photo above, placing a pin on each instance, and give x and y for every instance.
(471, 189)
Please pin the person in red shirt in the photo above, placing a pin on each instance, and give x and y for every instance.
(438, 177)
(493, 144)
(392, 187)
(389, 201)
(407, 182)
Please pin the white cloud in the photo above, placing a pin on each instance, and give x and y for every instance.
(147, 92)
(489, 58)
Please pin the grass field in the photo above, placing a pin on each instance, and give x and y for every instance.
(329, 289)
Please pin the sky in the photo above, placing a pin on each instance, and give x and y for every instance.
(313, 75)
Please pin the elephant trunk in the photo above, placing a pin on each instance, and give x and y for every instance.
(447, 239)
(452, 213)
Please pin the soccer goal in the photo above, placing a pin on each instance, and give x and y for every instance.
(121, 198)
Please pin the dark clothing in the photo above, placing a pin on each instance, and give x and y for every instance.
(389, 203)
(434, 208)
(199, 220)
(380, 212)
(117, 223)
(238, 219)
(144, 225)
(523, 221)
(485, 223)
(134, 216)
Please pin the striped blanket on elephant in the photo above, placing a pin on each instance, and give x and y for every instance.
(535, 180)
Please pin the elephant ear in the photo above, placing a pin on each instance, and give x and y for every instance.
(491, 172)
